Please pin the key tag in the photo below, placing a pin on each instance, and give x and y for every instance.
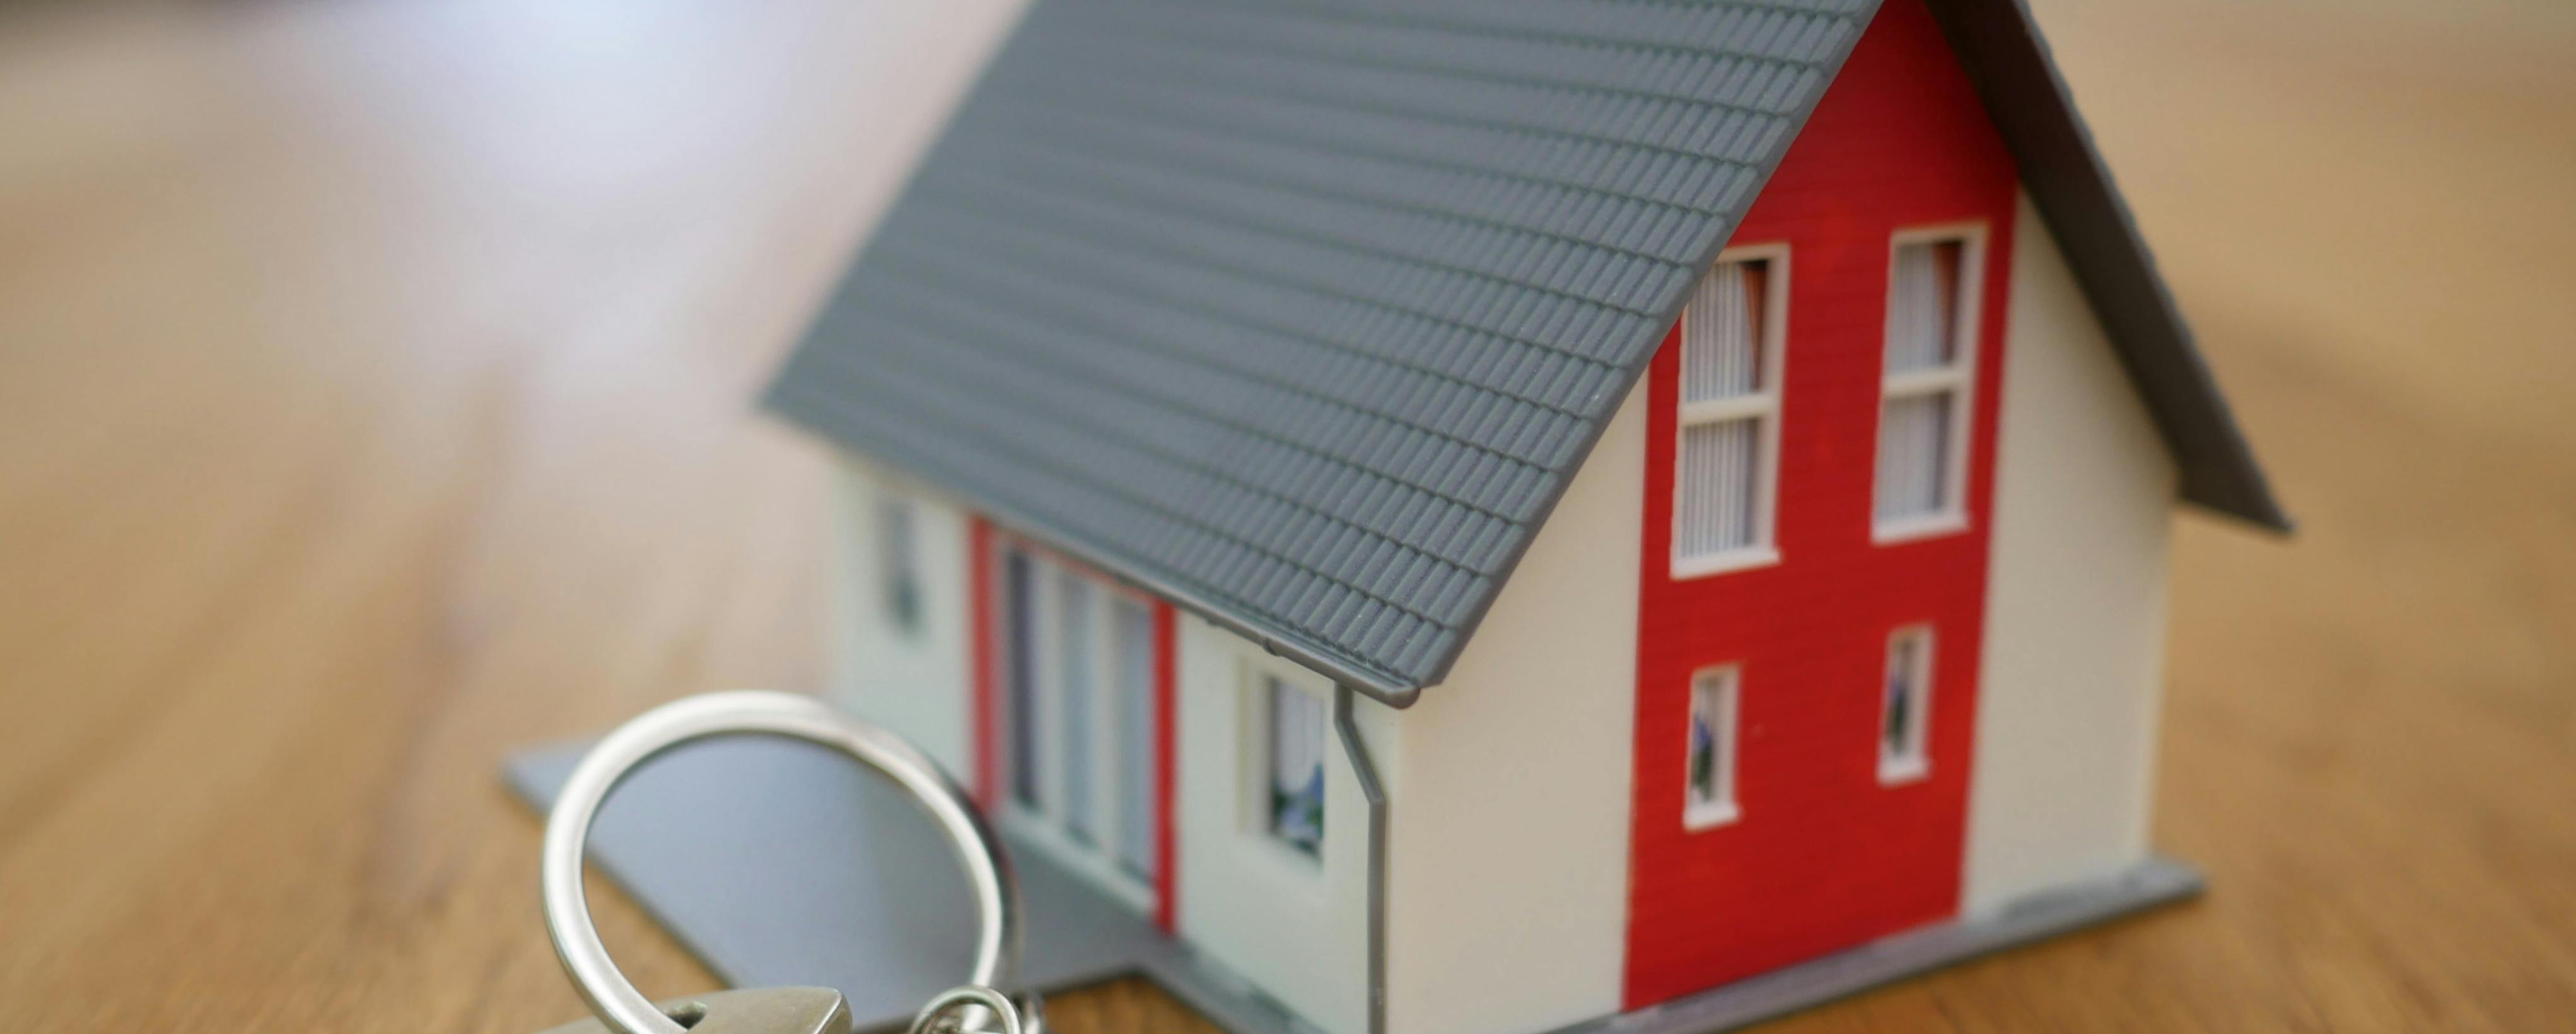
(973, 1008)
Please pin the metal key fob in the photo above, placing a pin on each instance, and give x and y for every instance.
(767, 1010)
(620, 1009)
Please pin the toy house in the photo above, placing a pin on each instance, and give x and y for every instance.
(1487, 516)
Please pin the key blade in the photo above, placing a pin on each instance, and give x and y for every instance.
(765, 1010)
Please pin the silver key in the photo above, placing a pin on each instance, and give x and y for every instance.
(621, 1009)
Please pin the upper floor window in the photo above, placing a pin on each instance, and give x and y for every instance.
(1930, 360)
(1294, 732)
(1708, 787)
(898, 563)
(1727, 461)
(1905, 709)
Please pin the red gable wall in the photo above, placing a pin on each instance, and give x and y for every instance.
(1823, 856)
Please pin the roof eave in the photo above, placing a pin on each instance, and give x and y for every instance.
(2063, 171)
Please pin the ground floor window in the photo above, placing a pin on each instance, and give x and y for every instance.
(1905, 708)
(1078, 714)
(1708, 797)
(1296, 725)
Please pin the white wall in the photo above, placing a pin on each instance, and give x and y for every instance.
(1508, 882)
(916, 684)
(2075, 608)
(1296, 927)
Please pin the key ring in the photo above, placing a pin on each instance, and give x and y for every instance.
(610, 995)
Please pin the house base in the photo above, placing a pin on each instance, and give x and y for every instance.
(778, 862)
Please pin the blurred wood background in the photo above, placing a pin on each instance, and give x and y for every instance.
(374, 398)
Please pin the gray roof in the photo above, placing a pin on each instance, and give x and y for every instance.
(1304, 313)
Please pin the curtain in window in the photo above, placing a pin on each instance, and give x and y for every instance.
(1705, 758)
(1019, 610)
(1914, 455)
(1073, 655)
(1719, 472)
(1916, 452)
(1922, 313)
(1135, 646)
(1721, 343)
(1297, 731)
(1718, 483)
(1896, 736)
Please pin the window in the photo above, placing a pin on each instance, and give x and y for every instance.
(898, 564)
(1074, 725)
(1132, 636)
(1727, 462)
(1905, 711)
(1923, 412)
(1708, 797)
(1019, 624)
(1079, 717)
(1295, 733)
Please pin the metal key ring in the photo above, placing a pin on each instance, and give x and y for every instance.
(610, 995)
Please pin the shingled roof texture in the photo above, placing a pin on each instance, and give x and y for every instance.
(1306, 312)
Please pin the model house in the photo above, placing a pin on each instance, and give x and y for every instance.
(1485, 516)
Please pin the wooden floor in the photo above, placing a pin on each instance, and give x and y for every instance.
(375, 391)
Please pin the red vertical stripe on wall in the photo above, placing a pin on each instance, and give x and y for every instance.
(979, 643)
(1823, 855)
(1167, 883)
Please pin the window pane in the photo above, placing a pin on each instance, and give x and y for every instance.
(1914, 455)
(1019, 615)
(1135, 645)
(1904, 708)
(1922, 306)
(1073, 656)
(1722, 333)
(1896, 728)
(1297, 729)
(1715, 497)
(1710, 779)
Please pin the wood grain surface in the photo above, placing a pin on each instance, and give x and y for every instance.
(375, 389)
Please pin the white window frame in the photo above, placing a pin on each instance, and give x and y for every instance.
(1913, 762)
(1048, 823)
(1766, 404)
(1959, 379)
(1254, 676)
(1724, 685)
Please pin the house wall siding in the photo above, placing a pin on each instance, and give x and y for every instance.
(2066, 718)
(913, 683)
(1509, 864)
(1823, 856)
(1295, 927)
